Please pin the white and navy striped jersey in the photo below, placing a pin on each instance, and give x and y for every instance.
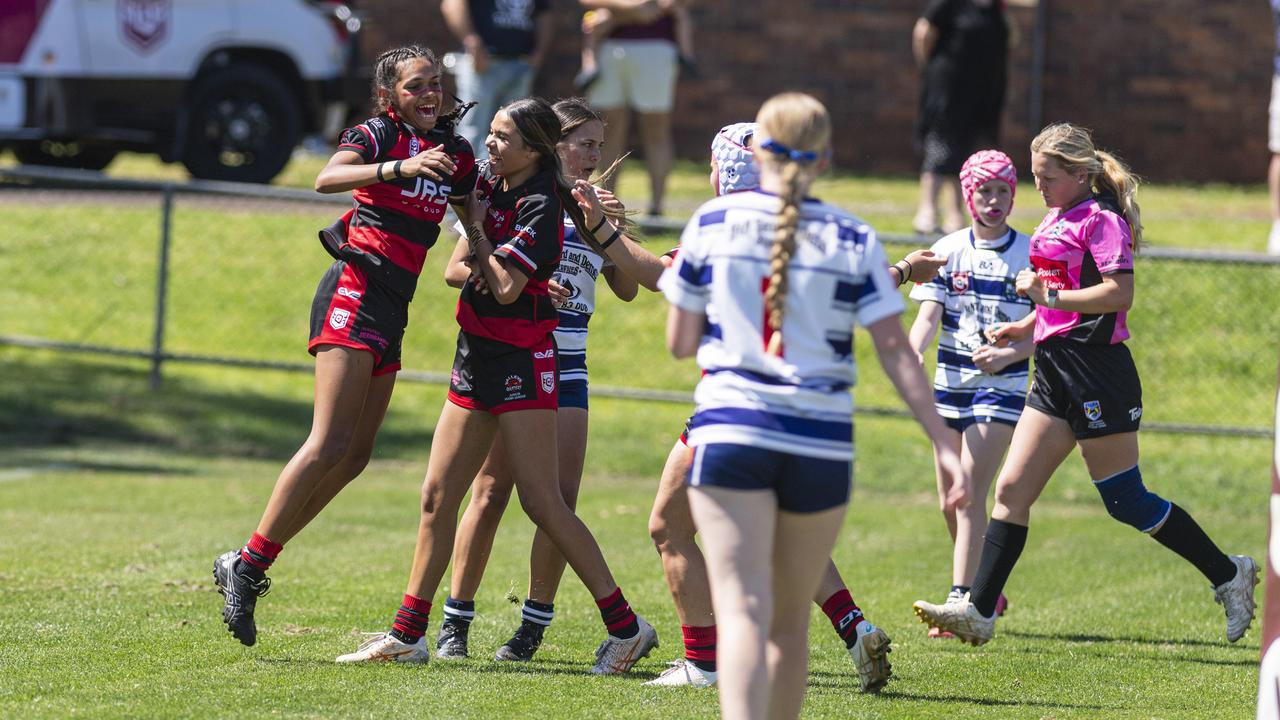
(580, 266)
(798, 403)
(976, 289)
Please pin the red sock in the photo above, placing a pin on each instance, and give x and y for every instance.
(844, 615)
(260, 552)
(411, 619)
(617, 615)
(700, 646)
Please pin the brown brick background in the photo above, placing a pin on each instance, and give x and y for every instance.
(1179, 88)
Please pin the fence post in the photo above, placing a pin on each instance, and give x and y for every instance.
(162, 284)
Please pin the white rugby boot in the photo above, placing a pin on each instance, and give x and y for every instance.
(383, 647)
(683, 673)
(1236, 596)
(617, 655)
(870, 653)
(958, 617)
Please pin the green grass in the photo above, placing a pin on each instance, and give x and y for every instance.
(241, 283)
(115, 499)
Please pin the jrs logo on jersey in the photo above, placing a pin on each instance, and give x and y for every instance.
(424, 189)
(339, 318)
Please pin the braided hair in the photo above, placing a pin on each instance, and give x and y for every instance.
(794, 132)
(386, 73)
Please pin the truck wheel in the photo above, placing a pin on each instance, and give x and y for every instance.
(242, 125)
(69, 154)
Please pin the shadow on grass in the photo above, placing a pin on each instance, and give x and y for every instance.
(473, 665)
(72, 401)
(1086, 638)
(988, 702)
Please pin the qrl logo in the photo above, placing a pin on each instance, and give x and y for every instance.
(144, 23)
(428, 191)
(339, 318)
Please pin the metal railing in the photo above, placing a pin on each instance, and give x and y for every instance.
(1219, 359)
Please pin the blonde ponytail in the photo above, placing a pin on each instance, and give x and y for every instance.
(1072, 146)
(784, 245)
(1116, 178)
(794, 132)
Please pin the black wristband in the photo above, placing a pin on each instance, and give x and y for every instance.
(396, 168)
(380, 178)
(603, 219)
(907, 278)
(612, 239)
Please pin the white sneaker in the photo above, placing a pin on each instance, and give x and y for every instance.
(870, 653)
(959, 618)
(617, 655)
(683, 673)
(1236, 596)
(382, 647)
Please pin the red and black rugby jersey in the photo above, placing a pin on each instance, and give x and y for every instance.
(526, 225)
(395, 222)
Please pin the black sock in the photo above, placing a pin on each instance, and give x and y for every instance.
(1000, 550)
(1181, 534)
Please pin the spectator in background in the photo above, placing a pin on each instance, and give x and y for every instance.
(505, 42)
(638, 61)
(962, 48)
(1273, 139)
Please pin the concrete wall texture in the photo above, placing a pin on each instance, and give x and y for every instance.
(1178, 88)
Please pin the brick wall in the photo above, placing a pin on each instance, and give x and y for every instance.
(1177, 87)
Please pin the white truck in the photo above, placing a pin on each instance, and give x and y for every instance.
(226, 87)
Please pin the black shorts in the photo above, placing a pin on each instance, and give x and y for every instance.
(350, 311)
(1095, 388)
(496, 377)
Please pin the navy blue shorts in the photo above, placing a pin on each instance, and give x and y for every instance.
(803, 484)
(961, 424)
(573, 393)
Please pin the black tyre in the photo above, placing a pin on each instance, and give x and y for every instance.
(242, 125)
(65, 154)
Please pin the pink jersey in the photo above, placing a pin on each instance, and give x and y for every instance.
(1073, 249)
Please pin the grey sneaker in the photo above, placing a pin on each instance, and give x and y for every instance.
(451, 644)
(1236, 596)
(870, 653)
(959, 618)
(617, 655)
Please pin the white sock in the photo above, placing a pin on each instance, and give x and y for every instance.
(1273, 244)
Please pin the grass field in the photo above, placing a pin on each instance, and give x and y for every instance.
(114, 499)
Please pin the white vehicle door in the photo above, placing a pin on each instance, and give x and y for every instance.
(151, 38)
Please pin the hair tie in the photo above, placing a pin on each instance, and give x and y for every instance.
(799, 156)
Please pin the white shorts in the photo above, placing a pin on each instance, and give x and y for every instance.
(640, 74)
(1273, 134)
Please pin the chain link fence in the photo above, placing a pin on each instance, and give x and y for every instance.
(221, 274)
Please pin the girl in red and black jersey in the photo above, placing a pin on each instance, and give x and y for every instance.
(402, 167)
(504, 380)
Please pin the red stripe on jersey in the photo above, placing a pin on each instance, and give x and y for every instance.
(403, 253)
(520, 332)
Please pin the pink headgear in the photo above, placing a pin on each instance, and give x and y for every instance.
(984, 166)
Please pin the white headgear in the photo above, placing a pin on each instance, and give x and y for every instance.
(731, 149)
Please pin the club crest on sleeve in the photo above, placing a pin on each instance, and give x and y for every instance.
(339, 318)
